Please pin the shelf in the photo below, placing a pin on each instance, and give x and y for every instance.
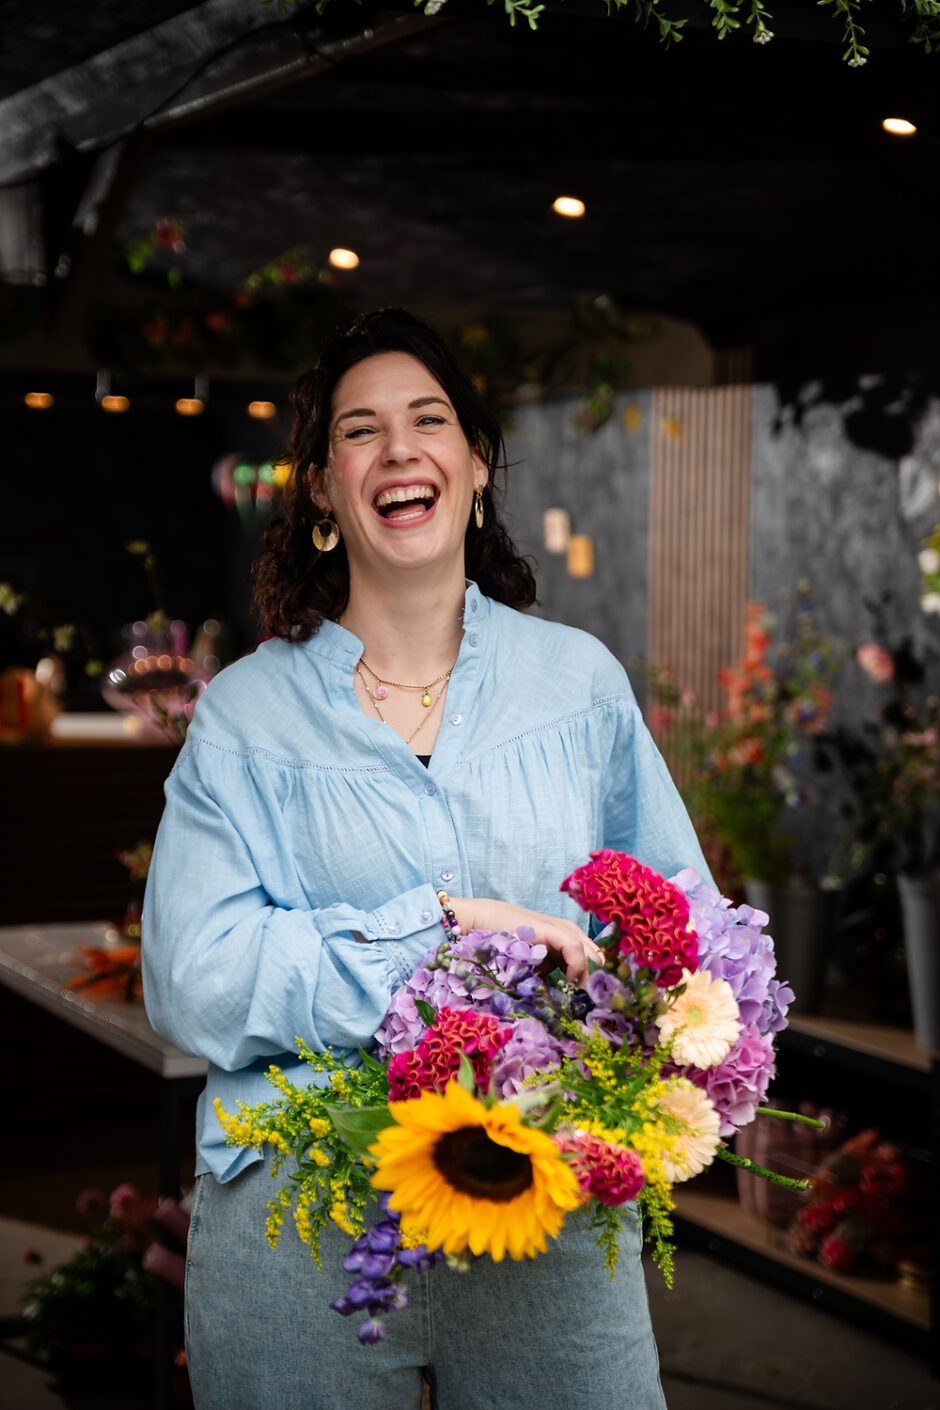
(722, 1215)
(894, 1045)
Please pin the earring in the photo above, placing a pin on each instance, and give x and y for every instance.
(478, 505)
(325, 535)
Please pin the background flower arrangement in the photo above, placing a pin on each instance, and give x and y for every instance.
(746, 769)
(890, 759)
(500, 1102)
(95, 1314)
(859, 1208)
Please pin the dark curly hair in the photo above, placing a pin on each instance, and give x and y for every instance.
(294, 586)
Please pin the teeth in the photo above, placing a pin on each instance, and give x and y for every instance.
(403, 495)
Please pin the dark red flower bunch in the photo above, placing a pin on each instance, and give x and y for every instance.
(432, 1064)
(857, 1208)
(651, 912)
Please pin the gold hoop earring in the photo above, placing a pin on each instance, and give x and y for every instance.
(325, 535)
(478, 505)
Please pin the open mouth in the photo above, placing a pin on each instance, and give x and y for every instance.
(405, 502)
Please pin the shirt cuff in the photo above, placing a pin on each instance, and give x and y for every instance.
(409, 914)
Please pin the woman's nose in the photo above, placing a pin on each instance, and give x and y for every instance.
(401, 443)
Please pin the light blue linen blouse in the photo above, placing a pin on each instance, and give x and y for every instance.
(294, 877)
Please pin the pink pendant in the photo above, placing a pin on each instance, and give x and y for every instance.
(379, 693)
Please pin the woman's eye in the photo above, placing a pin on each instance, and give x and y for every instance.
(431, 420)
(358, 432)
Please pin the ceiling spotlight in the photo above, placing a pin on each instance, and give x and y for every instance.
(899, 127)
(103, 396)
(38, 401)
(568, 205)
(343, 259)
(262, 410)
(196, 404)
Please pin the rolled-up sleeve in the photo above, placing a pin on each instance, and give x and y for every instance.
(232, 976)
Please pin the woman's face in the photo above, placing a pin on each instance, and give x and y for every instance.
(400, 476)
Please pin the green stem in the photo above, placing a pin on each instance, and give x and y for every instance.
(791, 1116)
(742, 1163)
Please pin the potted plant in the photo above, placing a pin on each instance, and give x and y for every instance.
(91, 1320)
(749, 775)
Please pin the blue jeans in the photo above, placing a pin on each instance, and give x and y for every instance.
(553, 1333)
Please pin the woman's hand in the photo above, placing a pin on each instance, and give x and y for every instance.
(563, 939)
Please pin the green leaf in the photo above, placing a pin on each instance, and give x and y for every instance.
(427, 1011)
(358, 1127)
(465, 1074)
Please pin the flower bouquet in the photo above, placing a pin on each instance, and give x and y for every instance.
(499, 1102)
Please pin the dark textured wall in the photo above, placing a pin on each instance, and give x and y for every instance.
(850, 519)
(603, 482)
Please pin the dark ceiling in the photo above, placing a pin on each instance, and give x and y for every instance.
(747, 189)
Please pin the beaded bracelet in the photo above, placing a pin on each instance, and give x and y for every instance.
(448, 918)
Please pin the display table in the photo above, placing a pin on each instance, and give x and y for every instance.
(34, 964)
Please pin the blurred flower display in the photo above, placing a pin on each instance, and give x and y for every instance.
(93, 1317)
(747, 768)
(895, 764)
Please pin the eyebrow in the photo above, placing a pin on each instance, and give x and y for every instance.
(412, 406)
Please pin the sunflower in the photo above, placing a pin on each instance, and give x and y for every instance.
(471, 1176)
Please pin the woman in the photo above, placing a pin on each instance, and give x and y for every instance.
(405, 731)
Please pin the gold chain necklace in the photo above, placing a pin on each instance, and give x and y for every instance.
(428, 704)
(379, 692)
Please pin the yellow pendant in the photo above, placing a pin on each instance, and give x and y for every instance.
(426, 699)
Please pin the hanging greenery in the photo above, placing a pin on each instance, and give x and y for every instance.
(726, 17)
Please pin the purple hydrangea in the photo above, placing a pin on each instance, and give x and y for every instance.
(513, 959)
(738, 1085)
(531, 1049)
(733, 947)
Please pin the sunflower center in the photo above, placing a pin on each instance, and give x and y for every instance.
(474, 1165)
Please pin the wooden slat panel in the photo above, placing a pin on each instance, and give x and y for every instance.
(699, 545)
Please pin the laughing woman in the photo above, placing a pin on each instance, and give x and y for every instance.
(406, 729)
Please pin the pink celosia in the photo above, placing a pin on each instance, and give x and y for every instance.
(431, 1065)
(607, 1172)
(653, 913)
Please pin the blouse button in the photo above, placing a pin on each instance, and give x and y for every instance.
(426, 917)
(447, 874)
(393, 927)
(456, 719)
(473, 639)
(429, 789)
(473, 604)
